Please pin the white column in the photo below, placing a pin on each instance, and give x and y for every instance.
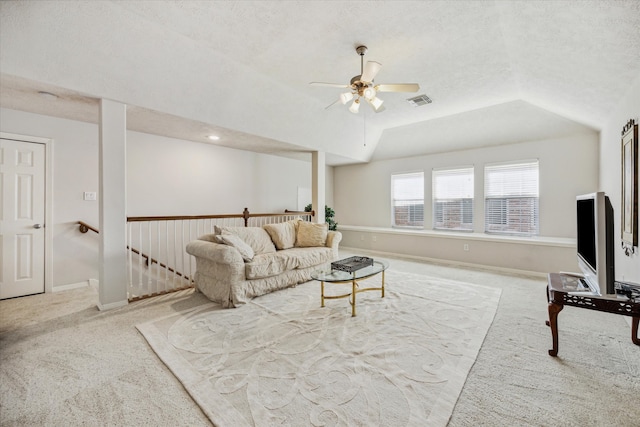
(318, 180)
(112, 291)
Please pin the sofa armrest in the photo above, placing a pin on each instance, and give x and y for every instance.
(215, 252)
(220, 270)
(333, 240)
(220, 262)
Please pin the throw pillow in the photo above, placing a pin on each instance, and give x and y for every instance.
(232, 240)
(256, 237)
(310, 234)
(282, 234)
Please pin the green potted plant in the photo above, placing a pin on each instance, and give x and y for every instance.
(329, 213)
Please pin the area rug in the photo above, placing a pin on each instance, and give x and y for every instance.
(283, 360)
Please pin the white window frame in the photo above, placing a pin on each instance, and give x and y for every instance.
(511, 198)
(452, 198)
(410, 199)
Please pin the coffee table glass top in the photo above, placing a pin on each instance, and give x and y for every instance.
(328, 275)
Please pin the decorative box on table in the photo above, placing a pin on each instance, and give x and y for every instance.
(352, 264)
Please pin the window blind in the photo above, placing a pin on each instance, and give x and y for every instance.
(453, 199)
(511, 198)
(407, 195)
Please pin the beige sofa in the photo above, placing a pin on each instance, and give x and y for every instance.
(236, 264)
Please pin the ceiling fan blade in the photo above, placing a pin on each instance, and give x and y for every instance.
(329, 84)
(398, 87)
(332, 104)
(371, 68)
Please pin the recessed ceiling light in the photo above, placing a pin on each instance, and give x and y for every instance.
(213, 137)
(48, 95)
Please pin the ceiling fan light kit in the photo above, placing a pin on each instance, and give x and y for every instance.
(355, 106)
(362, 86)
(376, 103)
(346, 97)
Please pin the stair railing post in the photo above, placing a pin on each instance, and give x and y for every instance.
(245, 215)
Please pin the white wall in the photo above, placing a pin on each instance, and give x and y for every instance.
(164, 177)
(568, 167)
(168, 176)
(627, 267)
(75, 170)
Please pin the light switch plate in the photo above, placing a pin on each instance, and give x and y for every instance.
(89, 195)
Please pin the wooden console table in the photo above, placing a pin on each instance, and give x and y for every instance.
(560, 292)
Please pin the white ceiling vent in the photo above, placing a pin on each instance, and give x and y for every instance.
(419, 100)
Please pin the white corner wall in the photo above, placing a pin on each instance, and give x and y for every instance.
(568, 167)
(165, 176)
(627, 267)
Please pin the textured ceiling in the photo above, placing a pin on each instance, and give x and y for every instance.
(497, 71)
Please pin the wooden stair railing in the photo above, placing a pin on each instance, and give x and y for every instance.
(245, 215)
(222, 220)
(84, 227)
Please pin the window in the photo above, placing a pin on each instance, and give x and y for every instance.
(407, 199)
(511, 198)
(453, 199)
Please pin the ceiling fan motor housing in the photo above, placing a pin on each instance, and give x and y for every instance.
(361, 50)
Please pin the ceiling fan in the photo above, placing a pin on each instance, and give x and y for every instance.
(362, 86)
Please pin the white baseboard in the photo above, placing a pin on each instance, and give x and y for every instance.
(90, 282)
(111, 306)
(60, 288)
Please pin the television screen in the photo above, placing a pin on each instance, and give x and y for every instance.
(586, 233)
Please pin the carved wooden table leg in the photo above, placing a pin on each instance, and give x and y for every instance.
(634, 330)
(554, 309)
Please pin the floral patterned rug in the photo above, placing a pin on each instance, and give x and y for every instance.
(283, 360)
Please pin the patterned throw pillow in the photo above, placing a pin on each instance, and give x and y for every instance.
(232, 240)
(310, 234)
(256, 237)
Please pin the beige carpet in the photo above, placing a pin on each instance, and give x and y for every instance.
(283, 360)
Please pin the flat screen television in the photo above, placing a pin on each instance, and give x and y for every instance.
(595, 241)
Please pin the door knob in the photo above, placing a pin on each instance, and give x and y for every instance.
(37, 225)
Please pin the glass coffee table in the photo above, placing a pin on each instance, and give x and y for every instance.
(341, 277)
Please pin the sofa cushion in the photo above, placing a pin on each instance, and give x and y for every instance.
(267, 265)
(233, 240)
(283, 234)
(256, 237)
(308, 257)
(310, 234)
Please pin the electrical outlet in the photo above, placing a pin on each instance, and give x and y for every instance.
(374, 238)
(465, 247)
(89, 195)
(362, 237)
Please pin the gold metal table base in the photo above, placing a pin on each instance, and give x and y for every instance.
(354, 291)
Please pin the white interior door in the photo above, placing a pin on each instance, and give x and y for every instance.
(22, 214)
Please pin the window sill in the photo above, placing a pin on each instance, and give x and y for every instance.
(465, 235)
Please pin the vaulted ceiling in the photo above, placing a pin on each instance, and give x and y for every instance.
(497, 71)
